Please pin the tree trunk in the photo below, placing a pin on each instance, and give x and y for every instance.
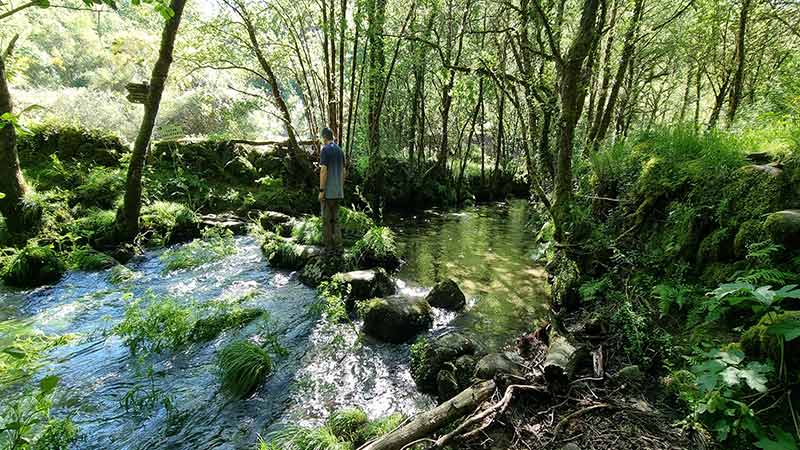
(468, 151)
(352, 87)
(128, 216)
(300, 171)
(340, 105)
(12, 183)
(376, 15)
(572, 89)
(719, 99)
(625, 60)
(738, 76)
(602, 95)
(428, 422)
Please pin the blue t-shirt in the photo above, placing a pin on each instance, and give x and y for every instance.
(332, 157)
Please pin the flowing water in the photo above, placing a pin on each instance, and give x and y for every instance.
(486, 249)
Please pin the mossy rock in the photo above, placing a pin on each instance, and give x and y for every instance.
(784, 228)
(716, 247)
(447, 295)
(750, 232)
(366, 284)
(34, 265)
(754, 191)
(455, 376)
(495, 364)
(429, 356)
(758, 342)
(322, 268)
(395, 319)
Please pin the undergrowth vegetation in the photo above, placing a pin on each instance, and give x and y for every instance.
(345, 429)
(692, 283)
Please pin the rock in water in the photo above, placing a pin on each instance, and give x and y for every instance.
(495, 364)
(278, 222)
(396, 319)
(455, 377)
(366, 284)
(784, 227)
(446, 294)
(429, 357)
(228, 221)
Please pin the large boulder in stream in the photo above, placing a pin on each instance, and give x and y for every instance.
(495, 364)
(228, 221)
(395, 319)
(431, 356)
(784, 228)
(322, 268)
(366, 284)
(447, 295)
(290, 256)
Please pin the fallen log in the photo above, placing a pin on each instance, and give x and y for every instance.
(561, 360)
(428, 422)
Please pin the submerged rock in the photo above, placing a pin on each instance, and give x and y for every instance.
(429, 357)
(366, 284)
(784, 228)
(495, 364)
(446, 294)
(396, 319)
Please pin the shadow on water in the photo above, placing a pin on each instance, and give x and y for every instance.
(327, 367)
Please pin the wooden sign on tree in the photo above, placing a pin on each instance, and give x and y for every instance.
(137, 92)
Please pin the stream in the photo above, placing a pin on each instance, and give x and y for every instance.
(486, 249)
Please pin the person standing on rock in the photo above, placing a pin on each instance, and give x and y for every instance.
(331, 191)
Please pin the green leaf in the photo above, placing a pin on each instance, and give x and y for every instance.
(783, 441)
(2, 196)
(15, 352)
(789, 329)
(48, 384)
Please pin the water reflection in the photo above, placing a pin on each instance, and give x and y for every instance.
(487, 250)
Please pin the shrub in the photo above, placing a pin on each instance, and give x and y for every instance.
(210, 327)
(57, 435)
(34, 265)
(214, 245)
(301, 438)
(379, 427)
(308, 231)
(96, 224)
(165, 222)
(286, 255)
(101, 188)
(87, 259)
(354, 224)
(377, 249)
(243, 367)
(346, 424)
(162, 325)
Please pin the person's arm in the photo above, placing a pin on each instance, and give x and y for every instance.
(323, 178)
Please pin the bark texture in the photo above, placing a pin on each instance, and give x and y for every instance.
(128, 216)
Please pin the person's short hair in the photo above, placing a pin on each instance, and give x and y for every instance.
(327, 133)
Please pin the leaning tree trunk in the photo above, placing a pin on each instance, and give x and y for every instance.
(12, 183)
(599, 133)
(738, 76)
(128, 216)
